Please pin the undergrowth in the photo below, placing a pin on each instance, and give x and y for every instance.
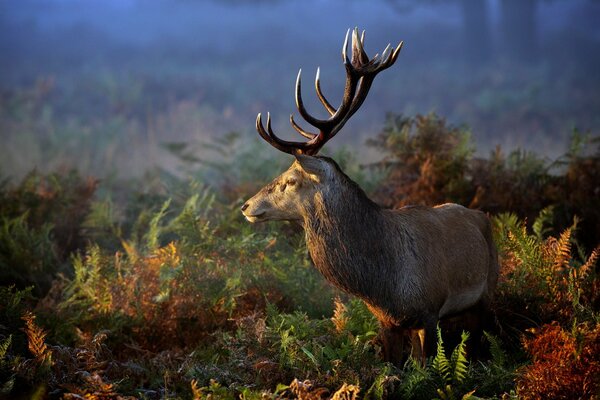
(159, 289)
(430, 162)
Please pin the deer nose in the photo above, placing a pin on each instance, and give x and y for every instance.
(245, 206)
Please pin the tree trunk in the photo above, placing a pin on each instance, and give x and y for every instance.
(519, 29)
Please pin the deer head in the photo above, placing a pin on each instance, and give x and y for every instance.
(289, 196)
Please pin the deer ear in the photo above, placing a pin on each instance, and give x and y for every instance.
(312, 165)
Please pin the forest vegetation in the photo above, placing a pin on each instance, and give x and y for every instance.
(157, 287)
(127, 270)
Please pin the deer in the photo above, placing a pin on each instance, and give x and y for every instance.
(413, 266)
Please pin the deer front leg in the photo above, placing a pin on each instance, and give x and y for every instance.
(417, 339)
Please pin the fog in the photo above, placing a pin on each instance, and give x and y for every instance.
(517, 72)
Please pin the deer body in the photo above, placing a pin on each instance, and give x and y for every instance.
(412, 266)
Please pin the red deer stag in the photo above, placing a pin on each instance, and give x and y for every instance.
(412, 266)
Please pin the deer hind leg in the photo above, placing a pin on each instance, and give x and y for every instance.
(474, 320)
(393, 344)
(478, 319)
(430, 338)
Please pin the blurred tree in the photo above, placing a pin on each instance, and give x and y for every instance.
(519, 28)
(476, 28)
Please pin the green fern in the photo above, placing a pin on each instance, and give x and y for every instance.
(458, 360)
(512, 236)
(101, 224)
(27, 254)
(85, 290)
(193, 224)
(8, 378)
(154, 227)
(451, 372)
(499, 357)
(377, 391)
(360, 321)
(3, 350)
(441, 365)
(542, 224)
(417, 381)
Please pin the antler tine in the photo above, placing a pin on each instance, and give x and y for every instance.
(283, 145)
(324, 101)
(306, 134)
(390, 57)
(397, 51)
(326, 124)
(359, 56)
(386, 53)
(345, 49)
(367, 74)
(300, 104)
(269, 136)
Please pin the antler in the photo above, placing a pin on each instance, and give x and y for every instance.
(360, 73)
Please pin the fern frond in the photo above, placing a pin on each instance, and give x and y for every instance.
(498, 354)
(458, 359)
(4, 349)
(562, 250)
(346, 392)
(377, 389)
(585, 269)
(414, 378)
(441, 364)
(131, 251)
(544, 219)
(339, 317)
(36, 340)
(154, 229)
(196, 391)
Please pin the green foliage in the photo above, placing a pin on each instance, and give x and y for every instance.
(441, 365)
(443, 377)
(380, 389)
(499, 357)
(543, 223)
(13, 304)
(453, 370)
(172, 286)
(154, 228)
(41, 223)
(497, 374)
(27, 255)
(542, 276)
(86, 290)
(7, 377)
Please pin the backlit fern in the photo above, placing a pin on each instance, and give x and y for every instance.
(167, 285)
(544, 273)
(36, 337)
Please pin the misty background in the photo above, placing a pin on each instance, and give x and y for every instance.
(103, 85)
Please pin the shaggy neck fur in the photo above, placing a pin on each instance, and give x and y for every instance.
(345, 235)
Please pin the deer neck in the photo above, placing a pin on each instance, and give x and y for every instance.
(341, 226)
